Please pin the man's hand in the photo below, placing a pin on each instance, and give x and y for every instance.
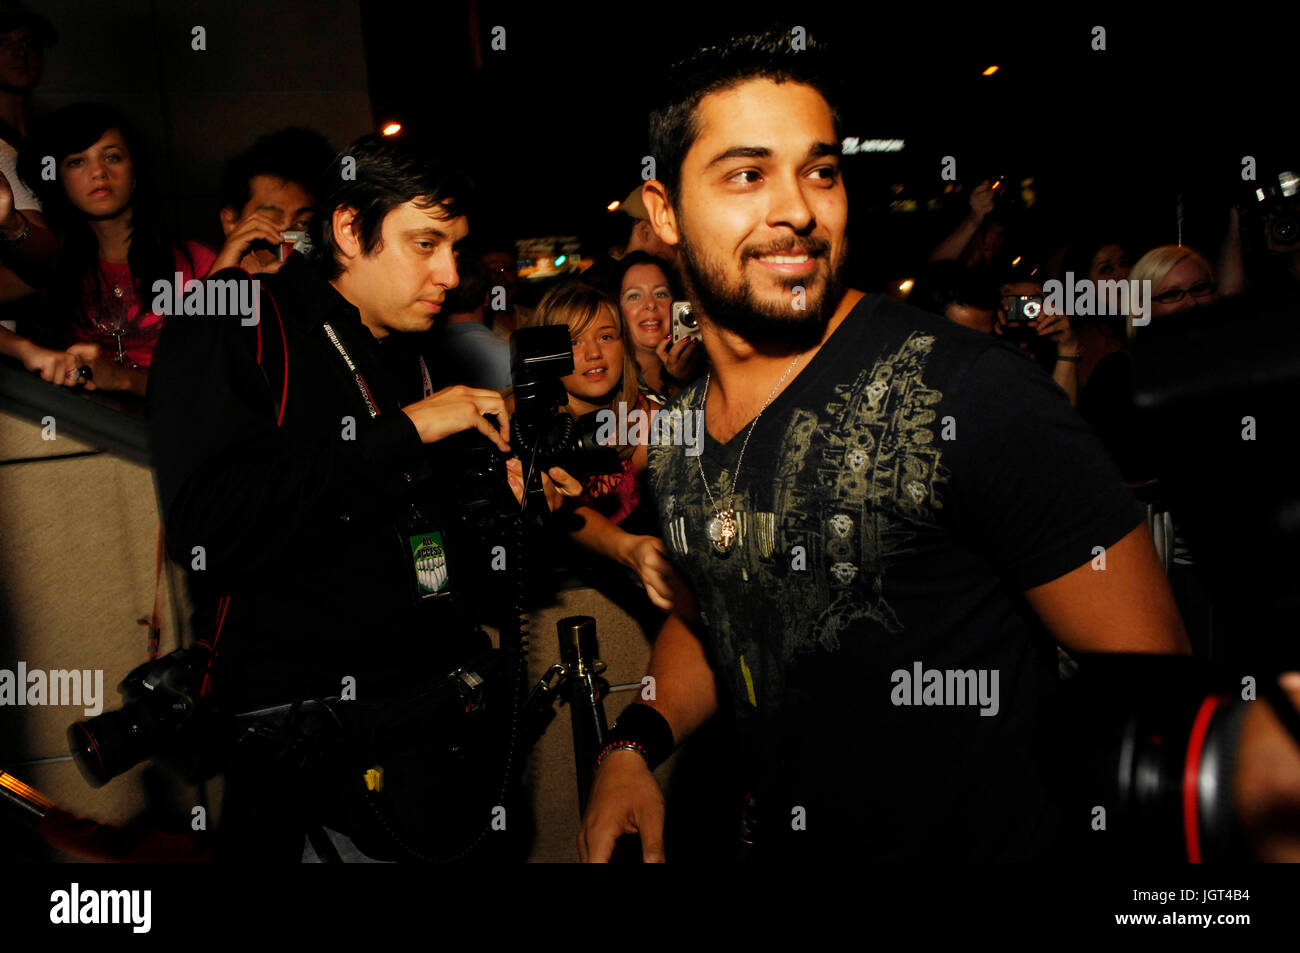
(556, 484)
(1266, 788)
(680, 359)
(982, 201)
(1057, 327)
(454, 409)
(252, 227)
(647, 556)
(625, 799)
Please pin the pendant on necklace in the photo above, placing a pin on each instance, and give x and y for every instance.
(722, 531)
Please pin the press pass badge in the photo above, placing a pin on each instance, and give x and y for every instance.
(429, 560)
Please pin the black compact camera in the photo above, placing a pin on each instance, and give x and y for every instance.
(1022, 308)
(161, 714)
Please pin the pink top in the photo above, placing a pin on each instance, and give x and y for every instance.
(121, 311)
(615, 494)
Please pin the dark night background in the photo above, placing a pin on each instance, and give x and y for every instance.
(554, 125)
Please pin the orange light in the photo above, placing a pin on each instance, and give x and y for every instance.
(392, 129)
(612, 206)
(906, 286)
(990, 71)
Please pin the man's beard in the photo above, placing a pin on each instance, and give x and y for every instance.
(741, 312)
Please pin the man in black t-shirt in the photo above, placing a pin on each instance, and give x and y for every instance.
(892, 521)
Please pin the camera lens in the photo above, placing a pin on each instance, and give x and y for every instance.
(1285, 230)
(688, 320)
(105, 746)
(1032, 309)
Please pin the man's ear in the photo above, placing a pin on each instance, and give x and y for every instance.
(229, 219)
(662, 217)
(345, 237)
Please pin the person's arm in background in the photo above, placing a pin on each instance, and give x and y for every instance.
(256, 225)
(981, 203)
(1230, 268)
(53, 366)
(1065, 371)
(31, 259)
(625, 797)
(108, 373)
(645, 555)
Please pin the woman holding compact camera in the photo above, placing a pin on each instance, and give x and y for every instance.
(89, 170)
(604, 378)
(645, 295)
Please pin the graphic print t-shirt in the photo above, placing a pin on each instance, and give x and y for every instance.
(894, 502)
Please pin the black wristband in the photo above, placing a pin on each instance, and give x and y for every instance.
(646, 727)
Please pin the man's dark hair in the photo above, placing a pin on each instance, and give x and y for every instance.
(296, 154)
(771, 54)
(374, 175)
(950, 282)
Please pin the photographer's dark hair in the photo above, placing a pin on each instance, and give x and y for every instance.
(296, 154)
(770, 54)
(639, 257)
(374, 175)
(71, 130)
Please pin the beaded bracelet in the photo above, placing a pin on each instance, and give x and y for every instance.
(615, 745)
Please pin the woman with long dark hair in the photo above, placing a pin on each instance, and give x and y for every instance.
(114, 246)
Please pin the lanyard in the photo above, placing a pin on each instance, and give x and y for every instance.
(371, 407)
(424, 373)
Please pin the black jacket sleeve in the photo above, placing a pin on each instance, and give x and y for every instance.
(229, 478)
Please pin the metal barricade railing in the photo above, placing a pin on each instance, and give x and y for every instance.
(1159, 520)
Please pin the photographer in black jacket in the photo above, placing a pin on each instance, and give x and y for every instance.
(297, 483)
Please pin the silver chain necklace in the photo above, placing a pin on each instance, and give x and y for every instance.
(722, 528)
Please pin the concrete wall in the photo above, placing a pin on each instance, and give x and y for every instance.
(77, 550)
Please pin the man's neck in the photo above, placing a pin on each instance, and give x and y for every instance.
(13, 110)
(376, 328)
(740, 367)
(743, 375)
